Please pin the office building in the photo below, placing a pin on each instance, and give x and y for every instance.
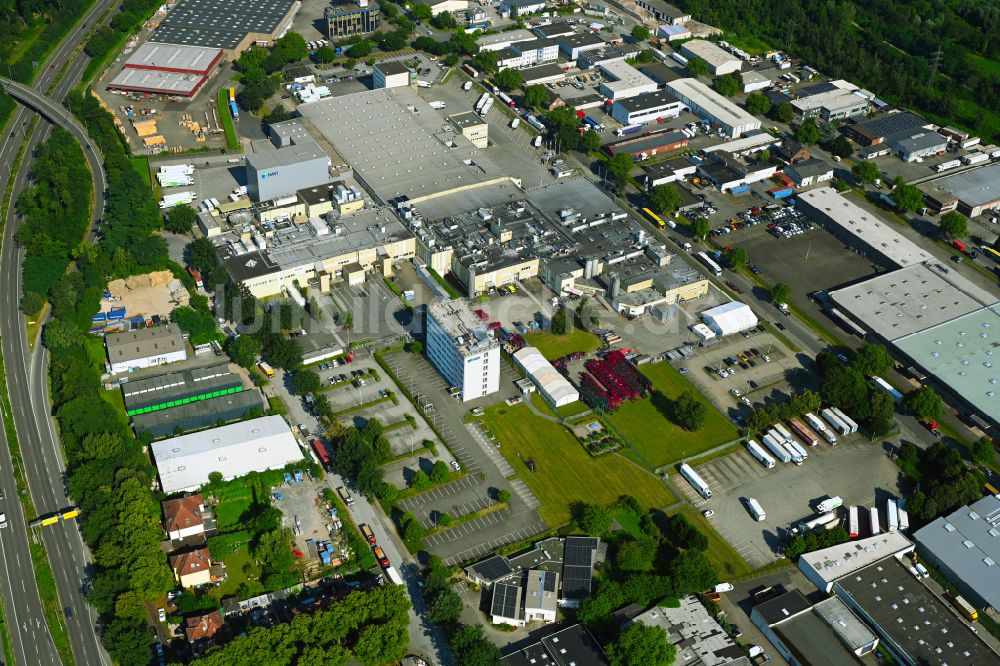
(540, 596)
(515, 8)
(622, 80)
(528, 53)
(503, 40)
(835, 104)
(576, 44)
(505, 608)
(344, 19)
(913, 146)
(144, 348)
(963, 548)
(697, 636)
(875, 130)
(572, 646)
(710, 105)
(668, 171)
(472, 127)
(443, 6)
(719, 60)
(391, 74)
(463, 349)
(825, 566)
(648, 107)
(167, 69)
(290, 161)
(973, 192)
(664, 12)
(230, 25)
(809, 172)
(184, 463)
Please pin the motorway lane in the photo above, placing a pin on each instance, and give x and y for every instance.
(30, 637)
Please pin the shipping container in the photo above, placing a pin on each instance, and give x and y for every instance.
(758, 452)
(756, 510)
(470, 70)
(782, 193)
(873, 521)
(777, 448)
(970, 142)
(835, 422)
(897, 397)
(740, 189)
(852, 522)
(891, 515)
(903, 516)
(628, 129)
(696, 481)
(802, 432)
(847, 420)
(679, 58)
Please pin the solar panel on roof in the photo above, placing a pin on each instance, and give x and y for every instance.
(505, 600)
(494, 568)
(548, 581)
(580, 551)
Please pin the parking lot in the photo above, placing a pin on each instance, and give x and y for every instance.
(787, 492)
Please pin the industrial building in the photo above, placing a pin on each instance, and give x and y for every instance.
(472, 126)
(729, 318)
(809, 172)
(861, 229)
(664, 12)
(661, 73)
(710, 105)
(729, 172)
(344, 18)
(607, 54)
(835, 104)
(184, 463)
(875, 130)
(827, 634)
(390, 74)
(754, 81)
(651, 144)
(573, 46)
(528, 53)
(622, 80)
(719, 60)
(144, 348)
(463, 349)
(915, 145)
(963, 548)
(230, 25)
(556, 390)
(698, 637)
(913, 624)
(502, 40)
(825, 566)
(290, 161)
(515, 8)
(647, 107)
(167, 69)
(449, 6)
(555, 29)
(505, 607)
(548, 73)
(672, 33)
(572, 646)
(668, 171)
(974, 192)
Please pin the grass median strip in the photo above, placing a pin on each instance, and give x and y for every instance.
(51, 605)
(232, 140)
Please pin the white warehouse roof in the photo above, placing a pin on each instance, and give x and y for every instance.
(553, 386)
(729, 318)
(185, 462)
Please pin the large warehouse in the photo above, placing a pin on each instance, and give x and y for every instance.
(167, 69)
(729, 318)
(144, 348)
(291, 161)
(973, 192)
(184, 463)
(230, 25)
(552, 385)
(719, 60)
(647, 107)
(706, 103)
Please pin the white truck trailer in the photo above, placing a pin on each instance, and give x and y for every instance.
(852, 522)
(903, 516)
(696, 481)
(829, 504)
(777, 448)
(873, 520)
(892, 514)
(758, 452)
(838, 425)
(755, 509)
(814, 522)
(847, 420)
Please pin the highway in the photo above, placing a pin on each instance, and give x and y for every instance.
(27, 384)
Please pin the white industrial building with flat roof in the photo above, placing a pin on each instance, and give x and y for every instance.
(823, 567)
(647, 107)
(463, 349)
(719, 60)
(626, 81)
(144, 348)
(831, 105)
(185, 462)
(729, 318)
(502, 40)
(391, 74)
(710, 105)
(551, 384)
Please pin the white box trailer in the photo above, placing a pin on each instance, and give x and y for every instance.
(847, 420)
(852, 522)
(758, 452)
(777, 448)
(798, 448)
(783, 431)
(902, 515)
(835, 422)
(873, 521)
(793, 452)
(756, 510)
(814, 422)
(891, 514)
(829, 436)
(814, 522)
(696, 481)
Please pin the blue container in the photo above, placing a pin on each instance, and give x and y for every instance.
(99, 317)
(740, 189)
(781, 194)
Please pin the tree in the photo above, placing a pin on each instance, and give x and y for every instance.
(807, 133)
(503, 496)
(590, 141)
(780, 293)
(420, 480)
(420, 11)
(689, 411)
(665, 198)
(243, 350)
(201, 254)
(866, 172)
(881, 412)
(305, 381)
(728, 84)
(640, 33)
(509, 79)
(395, 40)
(325, 54)
(596, 519)
(535, 97)
(410, 528)
(463, 43)
(635, 555)
(562, 321)
(873, 360)
(925, 403)
(840, 184)
(443, 21)
(764, 155)
(485, 61)
(415, 347)
(700, 228)
(619, 167)
(783, 113)
(736, 257)
(954, 225)
(691, 572)
(842, 147)
(446, 608)
(61, 334)
(439, 472)
(907, 197)
(758, 104)
(642, 645)
(982, 450)
(697, 67)
(845, 387)
(180, 219)
(469, 645)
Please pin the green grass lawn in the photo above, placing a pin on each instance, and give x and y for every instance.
(554, 346)
(228, 513)
(235, 576)
(232, 140)
(141, 167)
(724, 558)
(565, 471)
(655, 439)
(986, 65)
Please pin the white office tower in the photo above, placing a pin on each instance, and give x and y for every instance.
(463, 349)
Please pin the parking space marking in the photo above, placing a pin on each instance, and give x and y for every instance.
(482, 549)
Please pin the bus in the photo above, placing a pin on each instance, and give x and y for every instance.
(993, 254)
(655, 218)
(470, 70)
(711, 265)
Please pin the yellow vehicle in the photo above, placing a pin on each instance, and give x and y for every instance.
(655, 218)
(511, 289)
(266, 369)
(967, 610)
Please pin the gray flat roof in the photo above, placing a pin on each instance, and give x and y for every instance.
(911, 299)
(173, 56)
(722, 109)
(579, 39)
(650, 100)
(974, 187)
(697, 635)
(962, 354)
(152, 80)
(842, 620)
(143, 343)
(220, 23)
(846, 558)
(264, 155)
(813, 642)
(466, 119)
(397, 144)
(392, 67)
(710, 52)
(175, 385)
(912, 141)
(967, 543)
(201, 414)
(920, 623)
(546, 71)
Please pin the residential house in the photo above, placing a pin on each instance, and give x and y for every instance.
(183, 517)
(192, 567)
(204, 627)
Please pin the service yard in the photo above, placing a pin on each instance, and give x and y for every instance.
(787, 492)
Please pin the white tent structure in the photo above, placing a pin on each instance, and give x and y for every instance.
(552, 385)
(729, 318)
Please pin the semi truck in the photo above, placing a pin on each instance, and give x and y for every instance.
(710, 264)
(835, 422)
(975, 158)
(628, 129)
(171, 200)
(967, 610)
(758, 452)
(847, 420)
(393, 576)
(852, 522)
(266, 369)
(897, 397)
(595, 124)
(775, 447)
(798, 448)
(345, 495)
(679, 58)
(829, 437)
(380, 556)
(696, 481)
(797, 457)
(508, 100)
(892, 514)
(814, 522)
(903, 516)
(755, 509)
(783, 431)
(437, 104)
(802, 432)
(950, 164)
(187, 169)
(321, 452)
(366, 531)
(873, 520)
(829, 504)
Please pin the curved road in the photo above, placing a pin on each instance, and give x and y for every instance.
(28, 389)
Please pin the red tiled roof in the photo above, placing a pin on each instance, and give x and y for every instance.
(203, 626)
(182, 513)
(190, 562)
